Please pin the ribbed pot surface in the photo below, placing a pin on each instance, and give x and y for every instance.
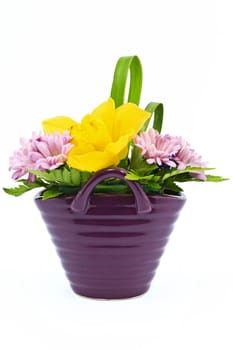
(110, 252)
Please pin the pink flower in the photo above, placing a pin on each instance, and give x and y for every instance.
(166, 150)
(186, 156)
(156, 148)
(41, 152)
(22, 159)
(53, 150)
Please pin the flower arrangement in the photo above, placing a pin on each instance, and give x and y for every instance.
(116, 134)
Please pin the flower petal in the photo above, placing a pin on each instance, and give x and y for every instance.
(91, 161)
(119, 148)
(105, 111)
(58, 124)
(129, 119)
(91, 131)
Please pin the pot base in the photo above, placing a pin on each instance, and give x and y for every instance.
(109, 294)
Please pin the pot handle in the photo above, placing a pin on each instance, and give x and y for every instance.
(80, 203)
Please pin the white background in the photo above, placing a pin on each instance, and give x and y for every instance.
(57, 58)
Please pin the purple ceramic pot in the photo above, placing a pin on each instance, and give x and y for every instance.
(110, 244)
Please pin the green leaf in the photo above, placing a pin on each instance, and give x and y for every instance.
(116, 188)
(155, 108)
(58, 175)
(136, 158)
(170, 186)
(134, 176)
(147, 168)
(124, 163)
(66, 175)
(48, 176)
(75, 176)
(62, 175)
(123, 66)
(186, 170)
(183, 177)
(69, 190)
(85, 175)
(190, 169)
(215, 178)
(21, 189)
(51, 193)
(152, 187)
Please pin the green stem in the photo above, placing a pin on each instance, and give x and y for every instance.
(136, 158)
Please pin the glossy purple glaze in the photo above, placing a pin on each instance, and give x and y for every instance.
(110, 247)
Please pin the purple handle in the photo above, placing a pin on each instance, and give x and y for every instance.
(81, 202)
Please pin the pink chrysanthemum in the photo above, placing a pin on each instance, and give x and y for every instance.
(53, 150)
(41, 152)
(156, 148)
(166, 150)
(186, 156)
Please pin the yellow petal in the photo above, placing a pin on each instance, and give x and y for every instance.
(120, 147)
(91, 161)
(129, 119)
(105, 111)
(91, 131)
(58, 124)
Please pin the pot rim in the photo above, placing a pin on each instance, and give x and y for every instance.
(179, 196)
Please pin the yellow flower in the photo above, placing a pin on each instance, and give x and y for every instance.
(101, 139)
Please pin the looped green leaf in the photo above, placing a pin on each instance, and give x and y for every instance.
(157, 109)
(123, 66)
